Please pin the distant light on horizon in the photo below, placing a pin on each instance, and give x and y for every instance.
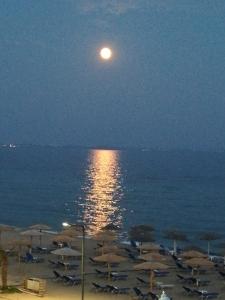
(106, 53)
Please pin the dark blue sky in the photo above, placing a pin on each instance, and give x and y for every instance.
(165, 87)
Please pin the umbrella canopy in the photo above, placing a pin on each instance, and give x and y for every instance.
(109, 248)
(193, 254)
(110, 258)
(149, 247)
(71, 232)
(66, 251)
(151, 266)
(152, 257)
(40, 227)
(32, 233)
(63, 239)
(106, 236)
(199, 262)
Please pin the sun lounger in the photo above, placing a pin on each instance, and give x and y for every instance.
(188, 280)
(142, 281)
(164, 286)
(140, 295)
(222, 274)
(94, 262)
(99, 288)
(160, 273)
(58, 276)
(101, 274)
(133, 244)
(182, 267)
(71, 280)
(53, 263)
(68, 265)
(118, 276)
(153, 296)
(206, 294)
(117, 290)
(189, 291)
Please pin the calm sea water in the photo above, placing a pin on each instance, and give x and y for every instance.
(48, 185)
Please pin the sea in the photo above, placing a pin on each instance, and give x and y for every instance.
(183, 190)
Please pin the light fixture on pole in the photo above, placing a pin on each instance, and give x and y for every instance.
(82, 227)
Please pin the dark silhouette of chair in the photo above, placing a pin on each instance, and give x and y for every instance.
(140, 295)
(58, 276)
(117, 290)
(142, 281)
(99, 288)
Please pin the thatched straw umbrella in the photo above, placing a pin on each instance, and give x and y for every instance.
(40, 227)
(209, 237)
(109, 248)
(149, 247)
(105, 237)
(110, 258)
(152, 257)
(66, 251)
(198, 263)
(32, 233)
(175, 235)
(142, 233)
(151, 266)
(193, 254)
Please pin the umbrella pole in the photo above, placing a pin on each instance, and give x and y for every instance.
(109, 271)
(151, 280)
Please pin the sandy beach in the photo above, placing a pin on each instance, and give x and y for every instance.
(18, 272)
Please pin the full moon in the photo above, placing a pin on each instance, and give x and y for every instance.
(106, 53)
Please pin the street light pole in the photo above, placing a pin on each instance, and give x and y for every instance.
(82, 253)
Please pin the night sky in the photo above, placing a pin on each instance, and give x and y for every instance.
(164, 87)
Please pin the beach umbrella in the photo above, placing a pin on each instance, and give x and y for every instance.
(149, 247)
(5, 228)
(110, 258)
(199, 262)
(152, 257)
(63, 239)
(32, 233)
(175, 235)
(66, 251)
(209, 237)
(193, 254)
(106, 236)
(40, 227)
(151, 266)
(109, 249)
(142, 233)
(71, 232)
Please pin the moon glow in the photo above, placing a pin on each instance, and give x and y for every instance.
(106, 53)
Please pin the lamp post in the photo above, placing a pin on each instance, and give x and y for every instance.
(65, 224)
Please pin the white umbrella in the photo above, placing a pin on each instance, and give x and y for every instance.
(66, 251)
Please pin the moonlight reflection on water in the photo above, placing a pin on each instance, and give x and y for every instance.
(103, 190)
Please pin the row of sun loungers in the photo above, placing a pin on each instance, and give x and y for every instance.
(66, 279)
(66, 265)
(203, 294)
